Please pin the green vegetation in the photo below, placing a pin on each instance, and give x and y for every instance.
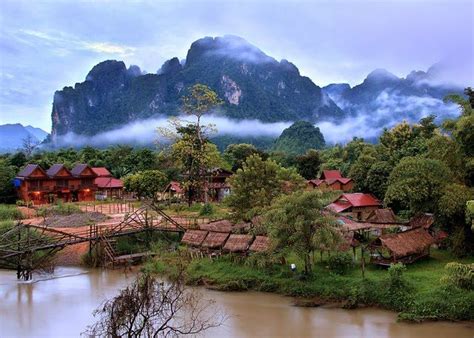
(417, 291)
(298, 138)
(62, 209)
(146, 184)
(9, 212)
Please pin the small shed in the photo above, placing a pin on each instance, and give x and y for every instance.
(215, 240)
(194, 237)
(422, 220)
(405, 247)
(238, 243)
(260, 244)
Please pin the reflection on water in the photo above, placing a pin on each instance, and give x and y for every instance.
(61, 306)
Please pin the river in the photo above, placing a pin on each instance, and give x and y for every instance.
(61, 305)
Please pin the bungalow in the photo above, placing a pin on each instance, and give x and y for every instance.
(107, 185)
(332, 180)
(173, 191)
(359, 204)
(404, 247)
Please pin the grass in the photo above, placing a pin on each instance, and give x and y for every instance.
(9, 212)
(422, 296)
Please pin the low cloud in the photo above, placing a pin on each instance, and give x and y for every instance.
(144, 132)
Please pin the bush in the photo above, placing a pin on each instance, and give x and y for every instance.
(460, 275)
(9, 212)
(340, 263)
(206, 210)
(395, 273)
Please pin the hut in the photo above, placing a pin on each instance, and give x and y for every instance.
(405, 247)
(222, 225)
(422, 220)
(359, 204)
(194, 237)
(215, 240)
(173, 191)
(238, 243)
(260, 244)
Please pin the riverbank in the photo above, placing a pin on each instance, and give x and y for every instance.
(422, 297)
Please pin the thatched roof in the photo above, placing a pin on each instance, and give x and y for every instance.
(222, 225)
(406, 243)
(238, 243)
(215, 240)
(260, 244)
(194, 237)
(422, 220)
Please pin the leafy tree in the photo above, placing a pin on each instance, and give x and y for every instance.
(297, 223)
(236, 154)
(146, 184)
(451, 213)
(257, 184)
(333, 158)
(7, 174)
(377, 178)
(360, 169)
(416, 184)
(18, 159)
(446, 150)
(298, 138)
(308, 165)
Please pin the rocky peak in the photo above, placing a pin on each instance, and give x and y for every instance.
(171, 66)
(381, 75)
(109, 68)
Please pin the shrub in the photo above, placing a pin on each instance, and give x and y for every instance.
(206, 210)
(9, 212)
(460, 275)
(395, 273)
(340, 263)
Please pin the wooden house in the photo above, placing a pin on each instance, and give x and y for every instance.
(332, 180)
(359, 204)
(194, 238)
(216, 184)
(405, 247)
(173, 191)
(35, 184)
(260, 244)
(107, 185)
(215, 240)
(238, 243)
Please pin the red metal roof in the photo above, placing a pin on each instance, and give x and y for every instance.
(101, 172)
(331, 174)
(346, 201)
(174, 186)
(108, 182)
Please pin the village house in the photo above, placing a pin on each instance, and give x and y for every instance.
(332, 180)
(405, 247)
(215, 186)
(38, 186)
(107, 185)
(359, 205)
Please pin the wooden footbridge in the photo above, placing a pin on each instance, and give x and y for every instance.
(27, 247)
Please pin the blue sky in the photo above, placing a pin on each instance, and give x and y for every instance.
(46, 45)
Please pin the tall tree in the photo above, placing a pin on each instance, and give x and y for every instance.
(236, 154)
(298, 223)
(146, 184)
(308, 165)
(257, 184)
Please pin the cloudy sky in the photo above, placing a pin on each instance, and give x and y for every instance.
(46, 45)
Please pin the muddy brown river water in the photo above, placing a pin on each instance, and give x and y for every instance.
(60, 305)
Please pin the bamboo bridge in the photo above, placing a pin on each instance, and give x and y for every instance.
(27, 247)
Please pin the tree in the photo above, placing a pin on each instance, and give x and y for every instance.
(236, 154)
(416, 184)
(377, 178)
(146, 184)
(29, 145)
(7, 174)
(151, 308)
(257, 184)
(446, 150)
(192, 147)
(18, 159)
(308, 165)
(297, 223)
(451, 213)
(360, 169)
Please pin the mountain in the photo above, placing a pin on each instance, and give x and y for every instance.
(12, 136)
(298, 138)
(385, 99)
(252, 84)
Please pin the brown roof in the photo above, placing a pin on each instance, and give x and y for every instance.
(238, 243)
(260, 244)
(79, 169)
(222, 225)
(422, 220)
(55, 169)
(29, 169)
(381, 216)
(194, 237)
(101, 172)
(407, 242)
(174, 186)
(215, 240)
